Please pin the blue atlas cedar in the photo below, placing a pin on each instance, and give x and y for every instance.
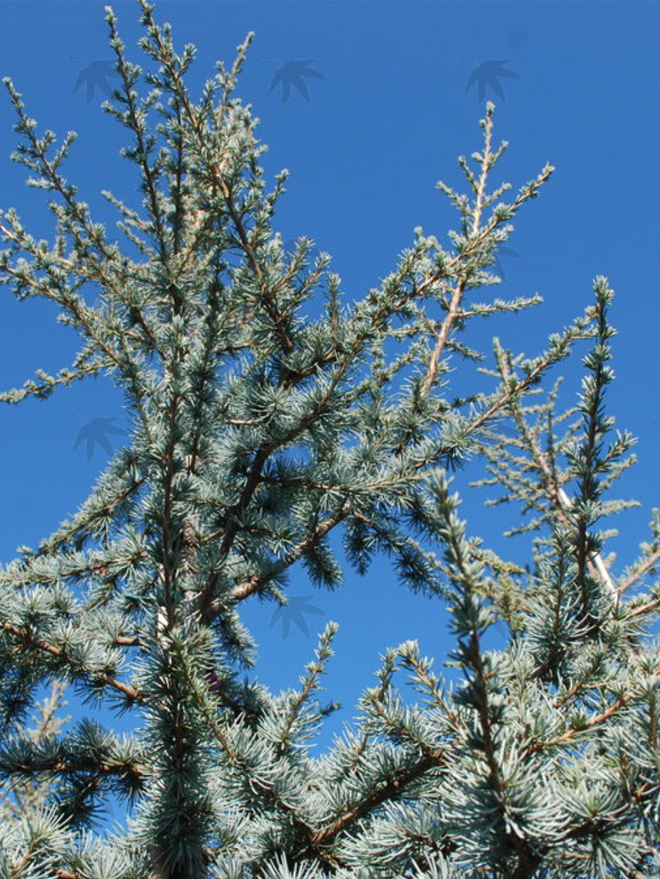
(259, 432)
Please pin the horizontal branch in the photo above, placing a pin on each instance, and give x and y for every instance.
(393, 788)
(29, 640)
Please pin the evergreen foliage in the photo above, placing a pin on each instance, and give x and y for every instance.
(258, 430)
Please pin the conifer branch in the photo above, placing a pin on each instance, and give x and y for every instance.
(30, 640)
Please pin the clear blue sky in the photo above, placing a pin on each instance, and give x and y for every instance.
(383, 125)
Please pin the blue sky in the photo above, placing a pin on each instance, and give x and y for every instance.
(384, 124)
